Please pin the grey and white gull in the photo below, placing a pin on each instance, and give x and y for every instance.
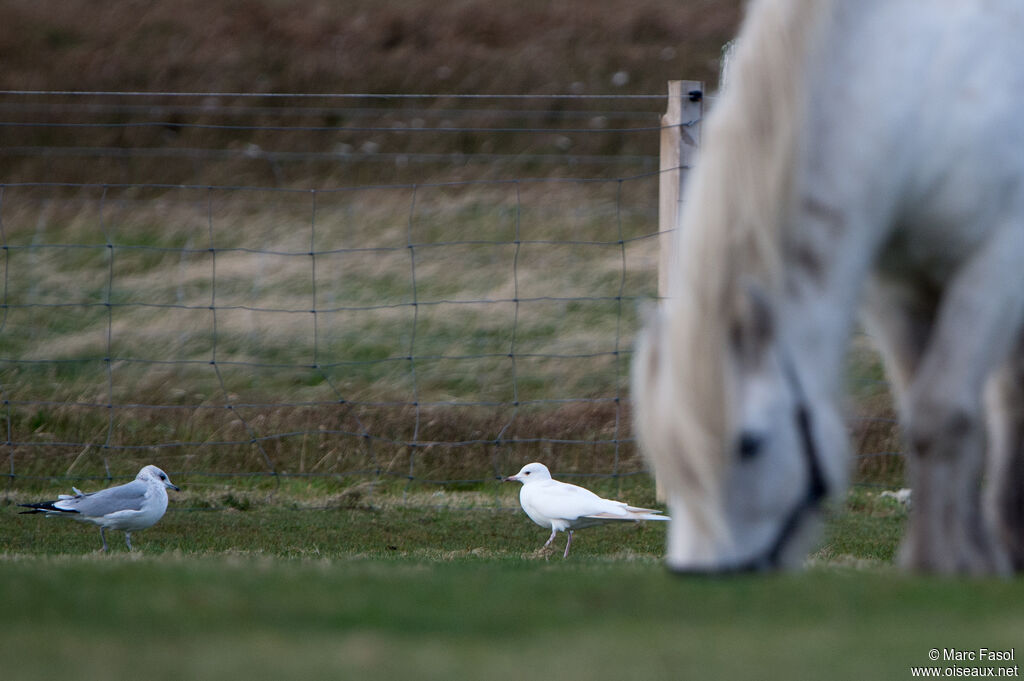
(130, 507)
(565, 508)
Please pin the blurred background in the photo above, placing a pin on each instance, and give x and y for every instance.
(339, 240)
(399, 46)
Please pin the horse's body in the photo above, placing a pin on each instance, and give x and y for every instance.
(865, 154)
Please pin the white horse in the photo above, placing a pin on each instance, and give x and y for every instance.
(865, 153)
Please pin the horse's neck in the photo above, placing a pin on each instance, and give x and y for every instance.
(816, 334)
(826, 263)
(846, 188)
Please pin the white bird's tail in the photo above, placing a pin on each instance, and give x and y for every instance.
(632, 514)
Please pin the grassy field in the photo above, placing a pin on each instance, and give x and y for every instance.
(314, 589)
(480, 323)
(443, 314)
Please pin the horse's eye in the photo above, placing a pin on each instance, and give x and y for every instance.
(749, 445)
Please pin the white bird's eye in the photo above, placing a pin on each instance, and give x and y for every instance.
(526, 473)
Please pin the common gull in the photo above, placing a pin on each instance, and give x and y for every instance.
(130, 507)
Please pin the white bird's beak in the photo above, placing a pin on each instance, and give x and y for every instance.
(511, 478)
(172, 486)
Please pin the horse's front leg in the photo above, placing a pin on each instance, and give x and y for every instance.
(1004, 492)
(946, 532)
(977, 322)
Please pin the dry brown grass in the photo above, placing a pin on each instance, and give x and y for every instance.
(335, 395)
(313, 421)
(466, 46)
(361, 46)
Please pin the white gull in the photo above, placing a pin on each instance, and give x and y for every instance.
(133, 506)
(566, 508)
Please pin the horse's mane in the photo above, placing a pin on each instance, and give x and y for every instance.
(731, 231)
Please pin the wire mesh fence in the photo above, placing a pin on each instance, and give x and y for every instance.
(321, 140)
(430, 289)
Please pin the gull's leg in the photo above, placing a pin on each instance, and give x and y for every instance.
(551, 538)
(128, 540)
(103, 536)
(568, 543)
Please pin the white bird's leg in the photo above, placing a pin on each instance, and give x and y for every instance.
(550, 539)
(128, 540)
(103, 536)
(568, 543)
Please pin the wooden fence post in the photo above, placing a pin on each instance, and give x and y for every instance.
(680, 137)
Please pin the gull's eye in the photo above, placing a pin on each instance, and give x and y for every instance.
(163, 477)
(526, 472)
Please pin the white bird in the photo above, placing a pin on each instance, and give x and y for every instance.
(900, 495)
(566, 508)
(133, 506)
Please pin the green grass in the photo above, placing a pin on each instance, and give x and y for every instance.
(471, 618)
(449, 585)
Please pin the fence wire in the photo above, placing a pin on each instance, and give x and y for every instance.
(446, 293)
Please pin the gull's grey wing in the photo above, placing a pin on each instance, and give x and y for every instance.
(128, 497)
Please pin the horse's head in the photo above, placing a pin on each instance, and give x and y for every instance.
(722, 412)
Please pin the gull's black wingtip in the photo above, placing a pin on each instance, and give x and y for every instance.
(44, 507)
